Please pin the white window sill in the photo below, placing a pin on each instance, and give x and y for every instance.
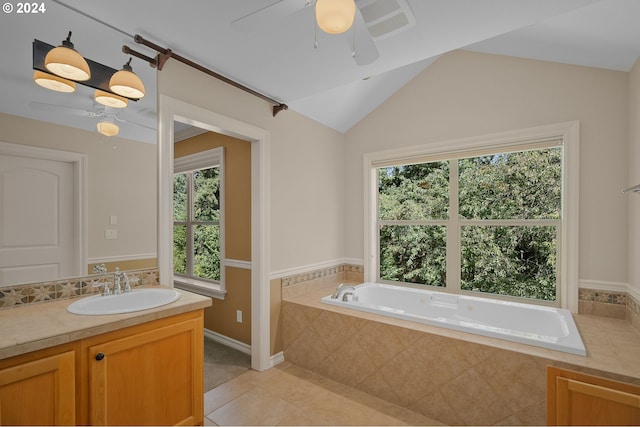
(213, 290)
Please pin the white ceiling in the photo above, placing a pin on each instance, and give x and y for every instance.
(279, 59)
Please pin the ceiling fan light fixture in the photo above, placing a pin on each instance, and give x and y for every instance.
(107, 127)
(335, 16)
(66, 62)
(53, 82)
(126, 83)
(109, 99)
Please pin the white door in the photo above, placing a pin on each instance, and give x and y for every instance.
(36, 219)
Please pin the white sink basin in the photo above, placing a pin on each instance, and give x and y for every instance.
(137, 300)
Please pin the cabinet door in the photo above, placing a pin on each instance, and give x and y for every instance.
(575, 398)
(149, 378)
(40, 392)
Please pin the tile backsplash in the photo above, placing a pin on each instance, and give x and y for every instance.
(33, 293)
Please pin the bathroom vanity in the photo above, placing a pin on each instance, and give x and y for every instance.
(142, 368)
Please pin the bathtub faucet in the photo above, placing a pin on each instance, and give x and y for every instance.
(341, 290)
(346, 295)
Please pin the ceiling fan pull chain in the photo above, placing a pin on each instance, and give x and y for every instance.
(315, 35)
(353, 32)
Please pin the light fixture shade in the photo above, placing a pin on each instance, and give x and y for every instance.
(65, 62)
(53, 82)
(335, 16)
(109, 99)
(108, 128)
(126, 83)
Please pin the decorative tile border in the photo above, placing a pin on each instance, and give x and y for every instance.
(32, 293)
(321, 274)
(597, 295)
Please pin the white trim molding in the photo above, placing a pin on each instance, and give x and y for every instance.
(279, 274)
(604, 286)
(170, 109)
(121, 258)
(237, 263)
(80, 193)
(567, 132)
(229, 342)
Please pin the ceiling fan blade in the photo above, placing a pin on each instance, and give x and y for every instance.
(365, 49)
(133, 123)
(267, 16)
(54, 108)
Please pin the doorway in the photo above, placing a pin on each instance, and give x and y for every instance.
(172, 110)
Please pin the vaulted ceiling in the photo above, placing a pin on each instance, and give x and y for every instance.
(279, 52)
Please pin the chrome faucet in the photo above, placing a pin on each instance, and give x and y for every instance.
(342, 290)
(105, 289)
(117, 276)
(345, 296)
(127, 285)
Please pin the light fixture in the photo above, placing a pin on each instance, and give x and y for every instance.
(335, 16)
(53, 82)
(107, 127)
(126, 83)
(109, 99)
(66, 62)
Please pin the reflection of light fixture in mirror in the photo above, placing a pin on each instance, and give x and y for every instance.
(107, 127)
(65, 62)
(109, 99)
(52, 82)
(126, 83)
(335, 16)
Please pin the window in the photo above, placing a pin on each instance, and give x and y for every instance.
(479, 217)
(198, 237)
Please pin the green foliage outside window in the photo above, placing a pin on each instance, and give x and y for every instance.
(521, 191)
(196, 224)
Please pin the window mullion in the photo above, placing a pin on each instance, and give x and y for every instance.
(190, 217)
(453, 231)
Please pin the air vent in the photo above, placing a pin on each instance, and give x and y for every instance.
(385, 18)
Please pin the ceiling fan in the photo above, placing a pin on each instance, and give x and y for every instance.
(361, 44)
(104, 115)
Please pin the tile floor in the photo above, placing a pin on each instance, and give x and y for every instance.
(290, 395)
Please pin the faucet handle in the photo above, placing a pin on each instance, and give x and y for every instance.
(127, 285)
(105, 290)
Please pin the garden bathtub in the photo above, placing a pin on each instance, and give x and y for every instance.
(541, 326)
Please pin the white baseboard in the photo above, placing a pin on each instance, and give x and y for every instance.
(276, 359)
(229, 342)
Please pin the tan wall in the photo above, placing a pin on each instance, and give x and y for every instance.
(221, 316)
(466, 94)
(122, 181)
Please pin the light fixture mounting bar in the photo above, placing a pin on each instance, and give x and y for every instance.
(165, 54)
(100, 74)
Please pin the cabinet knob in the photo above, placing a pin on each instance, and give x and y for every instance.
(99, 356)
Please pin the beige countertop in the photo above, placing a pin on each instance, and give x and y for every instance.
(613, 346)
(38, 326)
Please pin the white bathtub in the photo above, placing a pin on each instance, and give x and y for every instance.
(547, 327)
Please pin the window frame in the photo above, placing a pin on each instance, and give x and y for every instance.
(203, 160)
(568, 135)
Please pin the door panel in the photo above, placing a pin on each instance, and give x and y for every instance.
(36, 219)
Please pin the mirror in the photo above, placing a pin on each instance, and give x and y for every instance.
(120, 199)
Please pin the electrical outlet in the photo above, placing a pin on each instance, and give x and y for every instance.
(239, 316)
(110, 234)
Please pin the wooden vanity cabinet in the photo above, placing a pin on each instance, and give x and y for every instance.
(151, 374)
(575, 398)
(39, 389)
(148, 374)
